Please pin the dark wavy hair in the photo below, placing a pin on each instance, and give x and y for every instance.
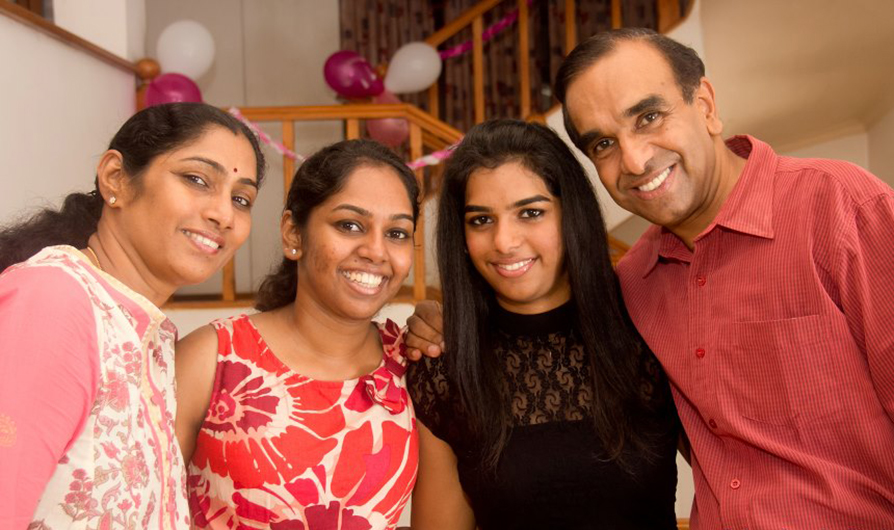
(615, 350)
(147, 134)
(685, 63)
(322, 175)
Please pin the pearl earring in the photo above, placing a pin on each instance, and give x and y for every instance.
(113, 199)
(294, 251)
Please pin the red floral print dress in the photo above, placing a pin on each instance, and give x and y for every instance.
(282, 451)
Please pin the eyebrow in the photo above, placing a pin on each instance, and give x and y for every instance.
(366, 213)
(648, 102)
(216, 166)
(517, 204)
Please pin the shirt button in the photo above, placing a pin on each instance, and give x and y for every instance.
(700, 353)
(734, 484)
(701, 281)
(712, 424)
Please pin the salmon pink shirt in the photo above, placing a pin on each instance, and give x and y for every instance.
(777, 332)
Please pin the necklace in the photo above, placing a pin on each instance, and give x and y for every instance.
(95, 259)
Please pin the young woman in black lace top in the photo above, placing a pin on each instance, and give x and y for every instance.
(547, 410)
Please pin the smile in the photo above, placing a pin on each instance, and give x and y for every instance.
(515, 266)
(203, 242)
(657, 181)
(514, 269)
(364, 279)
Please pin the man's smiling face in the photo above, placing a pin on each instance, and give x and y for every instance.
(655, 152)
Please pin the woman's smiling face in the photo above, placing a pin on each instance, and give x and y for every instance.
(356, 248)
(513, 228)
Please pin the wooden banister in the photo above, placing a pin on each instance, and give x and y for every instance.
(29, 18)
(439, 37)
(524, 56)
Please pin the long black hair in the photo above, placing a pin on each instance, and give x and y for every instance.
(147, 134)
(322, 175)
(614, 349)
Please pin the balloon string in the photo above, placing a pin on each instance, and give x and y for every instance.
(492, 31)
(431, 159)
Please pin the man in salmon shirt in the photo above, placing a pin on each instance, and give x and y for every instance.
(765, 287)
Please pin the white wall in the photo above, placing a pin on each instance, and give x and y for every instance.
(59, 109)
(117, 26)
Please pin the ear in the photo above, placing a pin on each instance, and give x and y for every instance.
(291, 237)
(111, 178)
(704, 98)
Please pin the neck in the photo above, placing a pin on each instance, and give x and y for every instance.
(124, 263)
(727, 170)
(327, 336)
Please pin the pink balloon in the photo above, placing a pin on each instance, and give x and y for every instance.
(351, 76)
(172, 88)
(389, 131)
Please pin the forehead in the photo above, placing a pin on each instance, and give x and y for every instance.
(504, 185)
(375, 188)
(633, 71)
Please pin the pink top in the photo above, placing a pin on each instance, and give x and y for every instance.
(86, 401)
(282, 451)
(776, 332)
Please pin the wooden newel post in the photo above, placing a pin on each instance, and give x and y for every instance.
(147, 70)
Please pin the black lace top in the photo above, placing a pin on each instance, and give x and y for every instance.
(551, 473)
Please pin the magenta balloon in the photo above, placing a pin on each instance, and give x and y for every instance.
(351, 76)
(389, 131)
(172, 88)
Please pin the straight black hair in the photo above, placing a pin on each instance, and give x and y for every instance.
(321, 176)
(615, 351)
(147, 134)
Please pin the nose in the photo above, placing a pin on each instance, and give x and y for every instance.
(506, 237)
(372, 247)
(635, 155)
(219, 209)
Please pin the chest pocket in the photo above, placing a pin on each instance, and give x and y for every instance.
(781, 372)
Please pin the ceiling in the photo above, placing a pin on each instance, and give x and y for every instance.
(802, 71)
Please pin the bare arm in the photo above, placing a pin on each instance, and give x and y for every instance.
(439, 502)
(425, 331)
(196, 363)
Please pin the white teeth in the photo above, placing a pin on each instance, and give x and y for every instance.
(370, 281)
(515, 266)
(657, 181)
(203, 240)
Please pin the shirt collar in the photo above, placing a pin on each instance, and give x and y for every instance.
(748, 209)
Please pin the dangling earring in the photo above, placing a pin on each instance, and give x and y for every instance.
(113, 199)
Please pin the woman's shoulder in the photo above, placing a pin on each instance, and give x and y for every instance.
(52, 275)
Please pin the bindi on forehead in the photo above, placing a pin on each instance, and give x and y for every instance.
(235, 170)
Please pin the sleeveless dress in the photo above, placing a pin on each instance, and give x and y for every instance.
(283, 451)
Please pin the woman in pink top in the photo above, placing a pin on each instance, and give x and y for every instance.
(86, 357)
(298, 417)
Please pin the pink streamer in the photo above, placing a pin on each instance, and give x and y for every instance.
(492, 31)
(431, 159)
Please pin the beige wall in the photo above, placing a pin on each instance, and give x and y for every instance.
(881, 148)
(268, 52)
(60, 107)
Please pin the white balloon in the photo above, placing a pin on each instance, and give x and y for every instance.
(185, 47)
(414, 67)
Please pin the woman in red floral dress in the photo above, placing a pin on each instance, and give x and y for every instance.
(298, 417)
